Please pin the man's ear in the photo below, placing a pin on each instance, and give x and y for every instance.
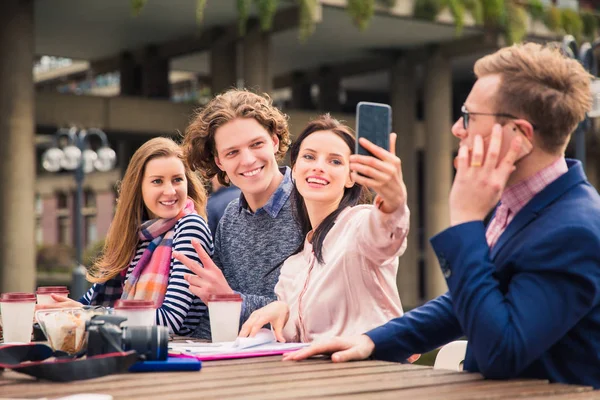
(275, 139)
(525, 127)
(218, 163)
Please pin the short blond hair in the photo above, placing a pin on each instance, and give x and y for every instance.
(199, 140)
(542, 85)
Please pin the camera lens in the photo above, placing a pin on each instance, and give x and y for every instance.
(150, 342)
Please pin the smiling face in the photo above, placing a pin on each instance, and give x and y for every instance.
(164, 187)
(246, 153)
(322, 169)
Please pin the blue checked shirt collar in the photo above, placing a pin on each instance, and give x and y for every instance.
(277, 199)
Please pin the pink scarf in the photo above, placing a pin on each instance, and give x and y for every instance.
(150, 276)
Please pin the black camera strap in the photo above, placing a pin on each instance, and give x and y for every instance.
(32, 359)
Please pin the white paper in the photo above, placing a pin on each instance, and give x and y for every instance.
(263, 341)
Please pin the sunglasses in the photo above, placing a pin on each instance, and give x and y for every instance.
(466, 113)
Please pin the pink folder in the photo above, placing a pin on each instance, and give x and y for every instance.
(229, 356)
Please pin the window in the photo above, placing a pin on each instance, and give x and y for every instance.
(91, 230)
(64, 230)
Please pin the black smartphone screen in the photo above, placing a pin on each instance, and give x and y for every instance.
(373, 122)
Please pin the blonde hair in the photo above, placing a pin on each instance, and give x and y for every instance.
(122, 238)
(540, 84)
(199, 140)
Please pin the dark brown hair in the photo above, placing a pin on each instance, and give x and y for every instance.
(199, 140)
(357, 194)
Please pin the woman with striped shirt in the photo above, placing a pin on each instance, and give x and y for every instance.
(161, 208)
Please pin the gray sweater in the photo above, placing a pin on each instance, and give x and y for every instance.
(251, 247)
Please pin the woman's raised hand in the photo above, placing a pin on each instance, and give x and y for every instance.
(382, 173)
(276, 314)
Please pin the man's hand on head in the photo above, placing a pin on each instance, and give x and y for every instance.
(480, 180)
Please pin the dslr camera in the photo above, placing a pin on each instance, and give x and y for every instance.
(106, 336)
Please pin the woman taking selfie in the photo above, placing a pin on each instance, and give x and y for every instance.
(342, 280)
(161, 208)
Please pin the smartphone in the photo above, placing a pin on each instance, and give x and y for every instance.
(373, 122)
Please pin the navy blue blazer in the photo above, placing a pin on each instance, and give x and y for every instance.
(530, 307)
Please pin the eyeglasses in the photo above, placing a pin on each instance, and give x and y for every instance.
(465, 115)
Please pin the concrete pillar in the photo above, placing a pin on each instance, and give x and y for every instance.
(223, 67)
(329, 90)
(403, 97)
(130, 78)
(256, 69)
(301, 96)
(17, 151)
(155, 75)
(438, 160)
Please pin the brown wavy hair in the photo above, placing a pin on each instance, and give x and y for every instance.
(199, 140)
(122, 238)
(543, 86)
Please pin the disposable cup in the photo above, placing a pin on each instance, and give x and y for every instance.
(17, 310)
(224, 312)
(44, 293)
(137, 312)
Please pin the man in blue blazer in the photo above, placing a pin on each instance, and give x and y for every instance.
(525, 290)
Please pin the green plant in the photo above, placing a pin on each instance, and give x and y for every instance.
(137, 6)
(572, 23)
(266, 12)
(516, 23)
(200, 6)
(427, 9)
(553, 19)
(536, 9)
(308, 10)
(494, 13)
(243, 7)
(475, 8)
(361, 12)
(590, 24)
(457, 9)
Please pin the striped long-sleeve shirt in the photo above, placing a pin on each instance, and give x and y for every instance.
(181, 310)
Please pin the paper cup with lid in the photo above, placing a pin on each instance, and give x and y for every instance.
(17, 310)
(137, 312)
(224, 312)
(44, 293)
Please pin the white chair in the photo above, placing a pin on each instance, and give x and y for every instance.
(451, 356)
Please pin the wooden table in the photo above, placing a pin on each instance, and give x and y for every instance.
(270, 378)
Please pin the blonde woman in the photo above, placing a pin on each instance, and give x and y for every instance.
(161, 208)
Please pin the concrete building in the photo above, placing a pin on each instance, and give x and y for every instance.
(422, 68)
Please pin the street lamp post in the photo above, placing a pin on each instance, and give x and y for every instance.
(585, 55)
(78, 156)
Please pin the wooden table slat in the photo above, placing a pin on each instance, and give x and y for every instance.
(153, 384)
(270, 378)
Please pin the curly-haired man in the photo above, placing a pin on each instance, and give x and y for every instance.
(240, 137)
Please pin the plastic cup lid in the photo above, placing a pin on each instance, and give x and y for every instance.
(52, 289)
(225, 297)
(134, 304)
(17, 297)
